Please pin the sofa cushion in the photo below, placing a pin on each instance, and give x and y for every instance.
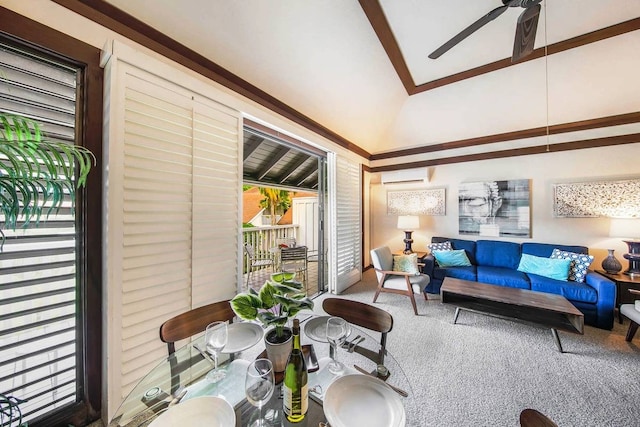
(452, 258)
(546, 249)
(468, 245)
(464, 273)
(573, 291)
(406, 263)
(579, 263)
(548, 267)
(493, 253)
(502, 277)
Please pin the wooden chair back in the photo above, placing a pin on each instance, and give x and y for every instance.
(532, 418)
(193, 322)
(364, 315)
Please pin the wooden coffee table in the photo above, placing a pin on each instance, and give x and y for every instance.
(547, 310)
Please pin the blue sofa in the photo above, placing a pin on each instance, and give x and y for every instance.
(496, 262)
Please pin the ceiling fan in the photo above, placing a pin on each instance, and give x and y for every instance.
(525, 28)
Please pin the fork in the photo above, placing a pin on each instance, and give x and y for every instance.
(347, 344)
(354, 344)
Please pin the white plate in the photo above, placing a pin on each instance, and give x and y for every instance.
(316, 328)
(360, 400)
(242, 336)
(201, 411)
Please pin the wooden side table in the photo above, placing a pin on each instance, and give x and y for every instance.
(420, 254)
(624, 282)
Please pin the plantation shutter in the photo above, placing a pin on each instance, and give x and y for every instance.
(347, 229)
(174, 188)
(38, 291)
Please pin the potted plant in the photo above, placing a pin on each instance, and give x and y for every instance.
(36, 173)
(279, 299)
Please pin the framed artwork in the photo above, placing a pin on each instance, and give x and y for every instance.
(619, 199)
(418, 202)
(495, 208)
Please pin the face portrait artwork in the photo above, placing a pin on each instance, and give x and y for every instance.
(494, 208)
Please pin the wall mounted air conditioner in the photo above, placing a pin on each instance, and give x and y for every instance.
(405, 176)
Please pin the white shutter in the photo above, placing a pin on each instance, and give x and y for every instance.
(346, 229)
(173, 193)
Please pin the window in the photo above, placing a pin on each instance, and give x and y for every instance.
(50, 306)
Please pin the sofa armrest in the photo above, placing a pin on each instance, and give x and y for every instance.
(606, 290)
(429, 263)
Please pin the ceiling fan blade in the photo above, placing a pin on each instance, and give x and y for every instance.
(525, 33)
(469, 30)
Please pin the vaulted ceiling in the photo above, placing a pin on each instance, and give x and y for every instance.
(360, 69)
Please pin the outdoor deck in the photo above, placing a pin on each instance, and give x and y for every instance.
(258, 278)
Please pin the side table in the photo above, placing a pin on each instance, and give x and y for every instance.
(420, 254)
(624, 282)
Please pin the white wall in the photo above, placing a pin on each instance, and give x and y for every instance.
(544, 170)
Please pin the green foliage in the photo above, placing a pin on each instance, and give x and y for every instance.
(35, 173)
(275, 200)
(280, 298)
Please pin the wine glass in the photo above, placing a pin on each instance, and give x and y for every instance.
(259, 385)
(337, 331)
(215, 338)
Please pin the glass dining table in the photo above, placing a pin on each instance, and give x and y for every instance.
(181, 376)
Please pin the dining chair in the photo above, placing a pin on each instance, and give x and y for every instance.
(294, 260)
(364, 315)
(532, 418)
(256, 263)
(192, 322)
(396, 282)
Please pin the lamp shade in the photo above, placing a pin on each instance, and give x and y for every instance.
(408, 222)
(628, 228)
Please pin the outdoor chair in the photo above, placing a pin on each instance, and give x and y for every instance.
(396, 282)
(294, 260)
(364, 315)
(289, 242)
(256, 263)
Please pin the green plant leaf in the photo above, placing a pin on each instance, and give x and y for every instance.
(246, 306)
(267, 294)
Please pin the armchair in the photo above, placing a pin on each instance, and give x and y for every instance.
(396, 282)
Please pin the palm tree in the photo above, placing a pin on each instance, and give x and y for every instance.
(275, 200)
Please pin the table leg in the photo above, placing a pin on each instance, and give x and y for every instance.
(556, 338)
(455, 316)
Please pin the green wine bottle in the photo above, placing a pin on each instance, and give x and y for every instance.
(296, 392)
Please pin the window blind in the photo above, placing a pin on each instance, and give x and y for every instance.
(174, 191)
(347, 224)
(38, 291)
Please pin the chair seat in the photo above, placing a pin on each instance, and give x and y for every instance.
(418, 283)
(261, 263)
(630, 312)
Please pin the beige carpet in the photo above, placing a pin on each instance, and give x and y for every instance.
(484, 370)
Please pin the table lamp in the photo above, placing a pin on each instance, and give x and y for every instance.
(629, 229)
(408, 223)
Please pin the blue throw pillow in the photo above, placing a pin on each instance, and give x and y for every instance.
(548, 267)
(452, 258)
(579, 263)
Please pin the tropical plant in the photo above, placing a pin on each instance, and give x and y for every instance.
(279, 299)
(36, 173)
(275, 200)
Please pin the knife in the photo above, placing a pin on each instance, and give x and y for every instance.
(400, 391)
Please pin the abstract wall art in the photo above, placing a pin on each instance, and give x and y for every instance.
(495, 208)
(615, 199)
(418, 202)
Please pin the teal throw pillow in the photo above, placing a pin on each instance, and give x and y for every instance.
(406, 263)
(453, 258)
(548, 267)
(579, 263)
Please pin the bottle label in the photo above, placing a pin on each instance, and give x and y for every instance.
(290, 403)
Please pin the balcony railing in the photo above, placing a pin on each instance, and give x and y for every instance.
(263, 239)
